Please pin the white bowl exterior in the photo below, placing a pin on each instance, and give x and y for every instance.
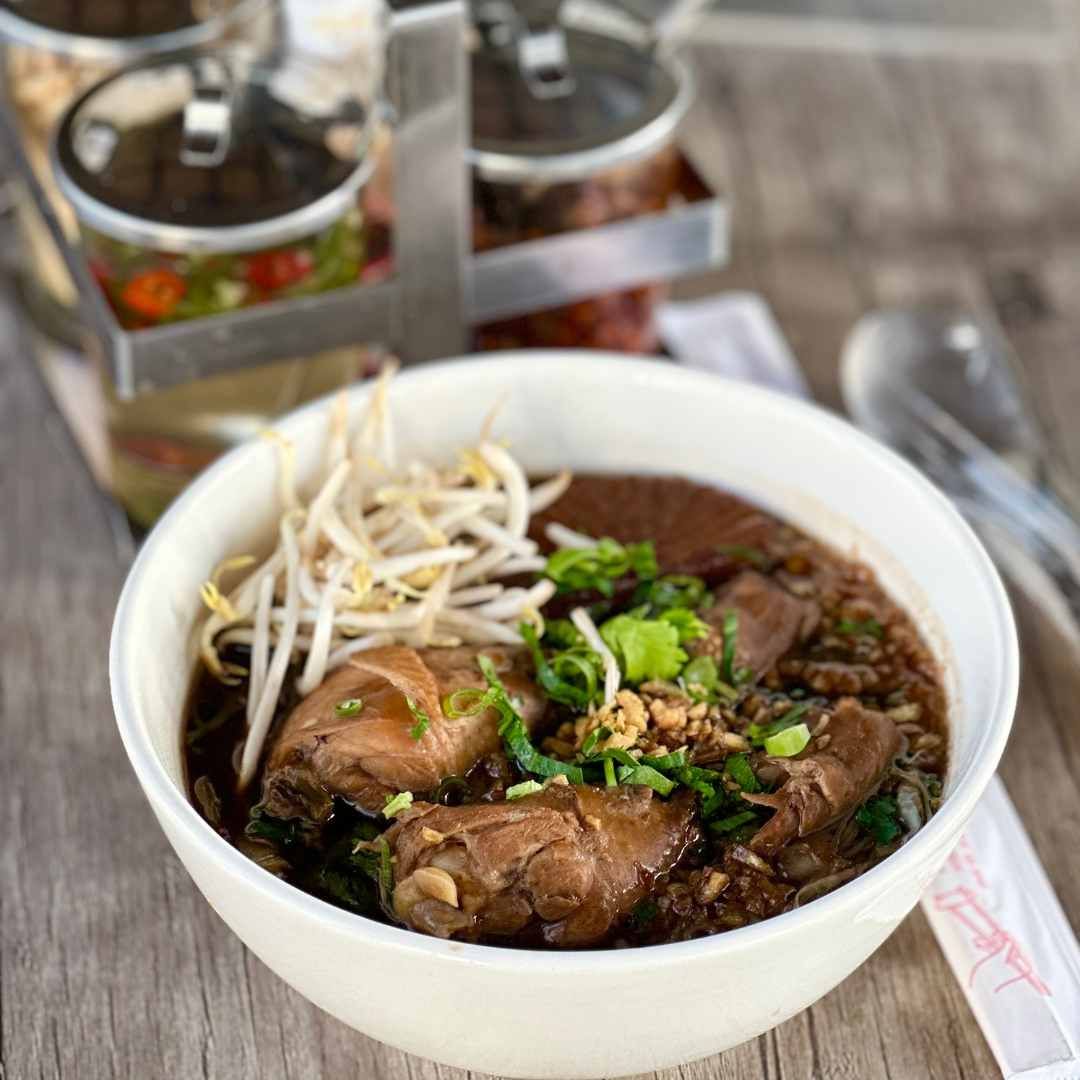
(601, 1013)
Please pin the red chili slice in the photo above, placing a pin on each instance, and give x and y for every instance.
(273, 270)
(154, 293)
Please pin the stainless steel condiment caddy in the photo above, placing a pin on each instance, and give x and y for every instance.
(440, 288)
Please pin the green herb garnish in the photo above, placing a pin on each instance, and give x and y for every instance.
(737, 766)
(563, 634)
(689, 626)
(732, 822)
(854, 628)
(670, 591)
(758, 733)
(703, 673)
(526, 787)
(789, 742)
(646, 776)
(597, 568)
(423, 721)
(395, 804)
(880, 818)
(281, 832)
(516, 737)
(595, 736)
(468, 701)
(569, 677)
(349, 707)
(645, 648)
(730, 635)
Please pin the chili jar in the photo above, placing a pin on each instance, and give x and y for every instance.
(204, 183)
(54, 50)
(578, 135)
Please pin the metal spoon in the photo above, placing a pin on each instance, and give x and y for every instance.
(943, 388)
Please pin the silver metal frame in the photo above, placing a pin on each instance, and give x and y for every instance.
(438, 290)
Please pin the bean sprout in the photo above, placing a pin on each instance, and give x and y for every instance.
(580, 618)
(378, 553)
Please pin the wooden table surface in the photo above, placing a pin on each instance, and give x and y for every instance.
(860, 180)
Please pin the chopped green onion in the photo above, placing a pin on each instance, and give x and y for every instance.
(616, 754)
(715, 802)
(789, 742)
(699, 780)
(423, 721)
(732, 822)
(737, 766)
(675, 760)
(730, 635)
(516, 738)
(569, 678)
(595, 736)
(598, 567)
(468, 701)
(386, 870)
(646, 776)
(562, 634)
(609, 772)
(349, 707)
(854, 628)
(395, 804)
(519, 791)
(758, 733)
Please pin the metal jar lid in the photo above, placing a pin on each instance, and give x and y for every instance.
(602, 102)
(217, 151)
(121, 31)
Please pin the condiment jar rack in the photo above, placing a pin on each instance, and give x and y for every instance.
(440, 288)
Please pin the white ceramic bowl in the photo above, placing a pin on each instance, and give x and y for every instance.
(604, 1013)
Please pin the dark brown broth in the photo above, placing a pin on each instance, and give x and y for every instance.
(683, 519)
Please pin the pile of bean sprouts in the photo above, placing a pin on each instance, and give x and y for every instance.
(383, 553)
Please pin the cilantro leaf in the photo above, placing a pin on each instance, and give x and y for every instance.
(645, 648)
(689, 626)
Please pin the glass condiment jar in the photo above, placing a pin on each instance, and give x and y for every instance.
(203, 183)
(53, 51)
(579, 132)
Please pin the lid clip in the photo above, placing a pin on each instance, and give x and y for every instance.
(208, 117)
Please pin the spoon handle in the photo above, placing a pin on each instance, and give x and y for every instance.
(991, 491)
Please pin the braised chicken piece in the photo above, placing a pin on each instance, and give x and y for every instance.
(568, 862)
(771, 621)
(383, 747)
(825, 784)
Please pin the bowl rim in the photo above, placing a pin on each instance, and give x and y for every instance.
(170, 802)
